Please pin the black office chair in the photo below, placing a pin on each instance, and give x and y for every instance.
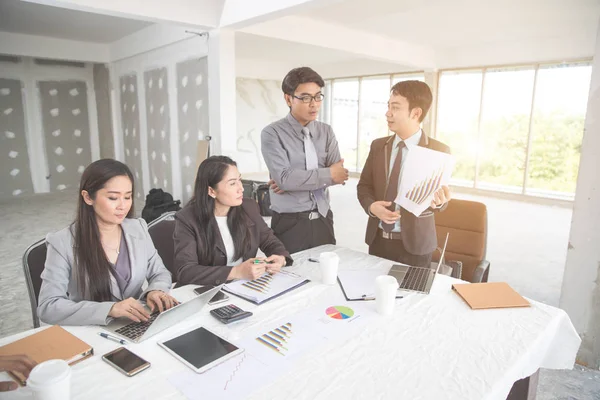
(34, 260)
(161, 232)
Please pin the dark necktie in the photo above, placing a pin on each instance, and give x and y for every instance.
(392, 189)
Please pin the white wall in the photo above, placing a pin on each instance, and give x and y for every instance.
(169, 56)
(259, 102)
(30, 73)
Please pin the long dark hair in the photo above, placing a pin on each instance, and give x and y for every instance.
(93, 267)
(210, 172)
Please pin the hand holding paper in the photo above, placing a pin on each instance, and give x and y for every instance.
(425, 172)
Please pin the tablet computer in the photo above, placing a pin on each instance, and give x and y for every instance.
(200, 349)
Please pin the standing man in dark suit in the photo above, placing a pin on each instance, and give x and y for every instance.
(303, 158)
(393, 232)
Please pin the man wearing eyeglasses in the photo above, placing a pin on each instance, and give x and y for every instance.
(303, 159)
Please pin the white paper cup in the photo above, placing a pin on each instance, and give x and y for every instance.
(329, 262)
(50, 380)
(385, 294)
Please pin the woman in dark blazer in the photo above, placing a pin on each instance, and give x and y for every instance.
(218, 233)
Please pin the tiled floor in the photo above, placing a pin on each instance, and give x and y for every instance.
(527, 246)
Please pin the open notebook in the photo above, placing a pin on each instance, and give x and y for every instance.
(266, 287)
(50, 344)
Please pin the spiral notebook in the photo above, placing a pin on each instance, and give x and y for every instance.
(265, 288)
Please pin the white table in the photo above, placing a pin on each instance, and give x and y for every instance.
(433, 347)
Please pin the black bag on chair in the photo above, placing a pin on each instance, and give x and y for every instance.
(259, 191)
(159, 202)
(264, 200)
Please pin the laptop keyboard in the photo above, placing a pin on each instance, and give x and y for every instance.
(415, 279)
(134, 330)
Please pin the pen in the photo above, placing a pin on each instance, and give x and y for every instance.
(313, 260)
(262, 261)
(111, 337)
(364, 297)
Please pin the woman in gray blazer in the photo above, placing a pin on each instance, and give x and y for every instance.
(95, 268)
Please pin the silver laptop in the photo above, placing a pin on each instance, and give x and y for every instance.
(139, 331)
(417, 279)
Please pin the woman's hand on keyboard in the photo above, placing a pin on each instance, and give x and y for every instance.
(129, 308)
(158, 299)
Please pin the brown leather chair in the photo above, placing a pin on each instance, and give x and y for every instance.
(34, 261)
(161, 232)
(466, 221)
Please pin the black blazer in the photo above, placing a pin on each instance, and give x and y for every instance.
(418, 233)
(189, 269)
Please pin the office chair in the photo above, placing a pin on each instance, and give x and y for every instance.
(467, 223)
(33, 265)
(161, 232)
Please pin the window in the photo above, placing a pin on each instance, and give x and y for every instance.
(344, 119)
(559, 110)
(374, 96)
(459, 99)
(355, 108)
(515, 130)
(506, 108)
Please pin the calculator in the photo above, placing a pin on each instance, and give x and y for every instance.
(229, 313)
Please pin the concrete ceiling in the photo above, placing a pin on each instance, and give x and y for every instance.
(275, 57)
(34, 19)
(457, 23)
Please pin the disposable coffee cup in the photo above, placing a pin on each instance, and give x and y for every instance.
(385, 294)
(329, 262)
(50, 380)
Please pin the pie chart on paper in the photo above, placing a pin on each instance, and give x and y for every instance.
(339, 312)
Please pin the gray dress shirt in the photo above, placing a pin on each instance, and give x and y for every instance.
(282, 145)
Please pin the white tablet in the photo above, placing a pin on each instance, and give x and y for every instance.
(200, 349)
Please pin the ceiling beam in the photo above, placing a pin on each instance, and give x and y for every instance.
(19, 44)
(150, 38)
(238, 14)
(194, 13)
(363, 44)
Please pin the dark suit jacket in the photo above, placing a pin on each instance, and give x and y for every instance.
(190, 269)
(418, 233)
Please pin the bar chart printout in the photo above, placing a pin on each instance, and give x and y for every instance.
(424, 172)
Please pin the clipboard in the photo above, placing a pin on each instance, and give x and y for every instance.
(240, 289)
(364, 296)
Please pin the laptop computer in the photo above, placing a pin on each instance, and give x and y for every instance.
(417, 279)
(139, 331)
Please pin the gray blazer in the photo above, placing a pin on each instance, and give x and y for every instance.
(60, 301)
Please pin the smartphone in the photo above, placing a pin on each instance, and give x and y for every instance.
(220, 297)
(125, 361)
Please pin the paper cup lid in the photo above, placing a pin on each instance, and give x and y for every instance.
(49, 372)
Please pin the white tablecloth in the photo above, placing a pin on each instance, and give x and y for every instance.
(433, 347)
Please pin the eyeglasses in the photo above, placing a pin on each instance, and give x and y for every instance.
(308, 98)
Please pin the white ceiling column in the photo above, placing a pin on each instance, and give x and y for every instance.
(580, 294)
(197, 13)
(237, 14)
(221, 92)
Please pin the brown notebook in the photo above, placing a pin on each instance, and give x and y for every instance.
(50, 344)
(489, 295)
